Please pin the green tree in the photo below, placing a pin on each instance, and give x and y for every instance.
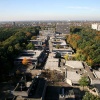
(18, 47)
(30, 46)
(10, 49)
(89, 96)
(33, 37)
(84, 82)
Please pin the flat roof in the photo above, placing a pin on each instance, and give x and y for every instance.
(36, 40)
(61, 42)
(73, 76)
(52, 64)
(66, 49)
(35, 52)
(97, 73)
(22, 57)
(74, 64)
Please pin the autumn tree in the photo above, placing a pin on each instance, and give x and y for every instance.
(57, 46)
(25, 61)
(66, 56)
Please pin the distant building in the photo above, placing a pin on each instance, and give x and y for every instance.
(62, 28)
(96, 26)
(47, 32)
(13, 23)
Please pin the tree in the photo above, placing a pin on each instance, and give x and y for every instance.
(66, 56)
(33, 37)
(57, 46)
(30, 46)
(89, 96)
(17, 46)
(10, 49)
(25, 61)
(84, 81)
(28, 34)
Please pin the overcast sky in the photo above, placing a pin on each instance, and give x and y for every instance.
(16, 10)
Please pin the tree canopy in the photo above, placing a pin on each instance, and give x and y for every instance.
(87, 42)
(89, 96)
(84, 81)
(12, 41)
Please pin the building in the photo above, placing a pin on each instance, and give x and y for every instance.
(66, 93)
(60, 46)
(74, 71)
(34, 90)
(38, 44)
(33, 56)
(96, 26)
(73, 78)
(47, 32)
(63, 51)
(74, 64)
(62, 28)
(52, 63)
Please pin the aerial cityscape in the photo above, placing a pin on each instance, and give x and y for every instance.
(49, 50)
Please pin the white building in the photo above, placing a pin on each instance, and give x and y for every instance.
(96, 26)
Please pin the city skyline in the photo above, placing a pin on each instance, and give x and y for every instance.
(21, 10)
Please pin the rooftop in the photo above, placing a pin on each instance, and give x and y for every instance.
(63, 49)
(60, 42)
(30, 54)
(52, 63)
(74, 64)
(97, 73)
(73, 76)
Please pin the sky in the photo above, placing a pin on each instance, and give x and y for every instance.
(21, 10)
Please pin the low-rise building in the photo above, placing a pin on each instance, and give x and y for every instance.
(74, 64)
(33, 56)
(60, 46)
(52, 63)
(72, 78)
(74, 72)
(30, 90)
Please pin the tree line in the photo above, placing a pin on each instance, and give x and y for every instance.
(86, 42)
(12, 42)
